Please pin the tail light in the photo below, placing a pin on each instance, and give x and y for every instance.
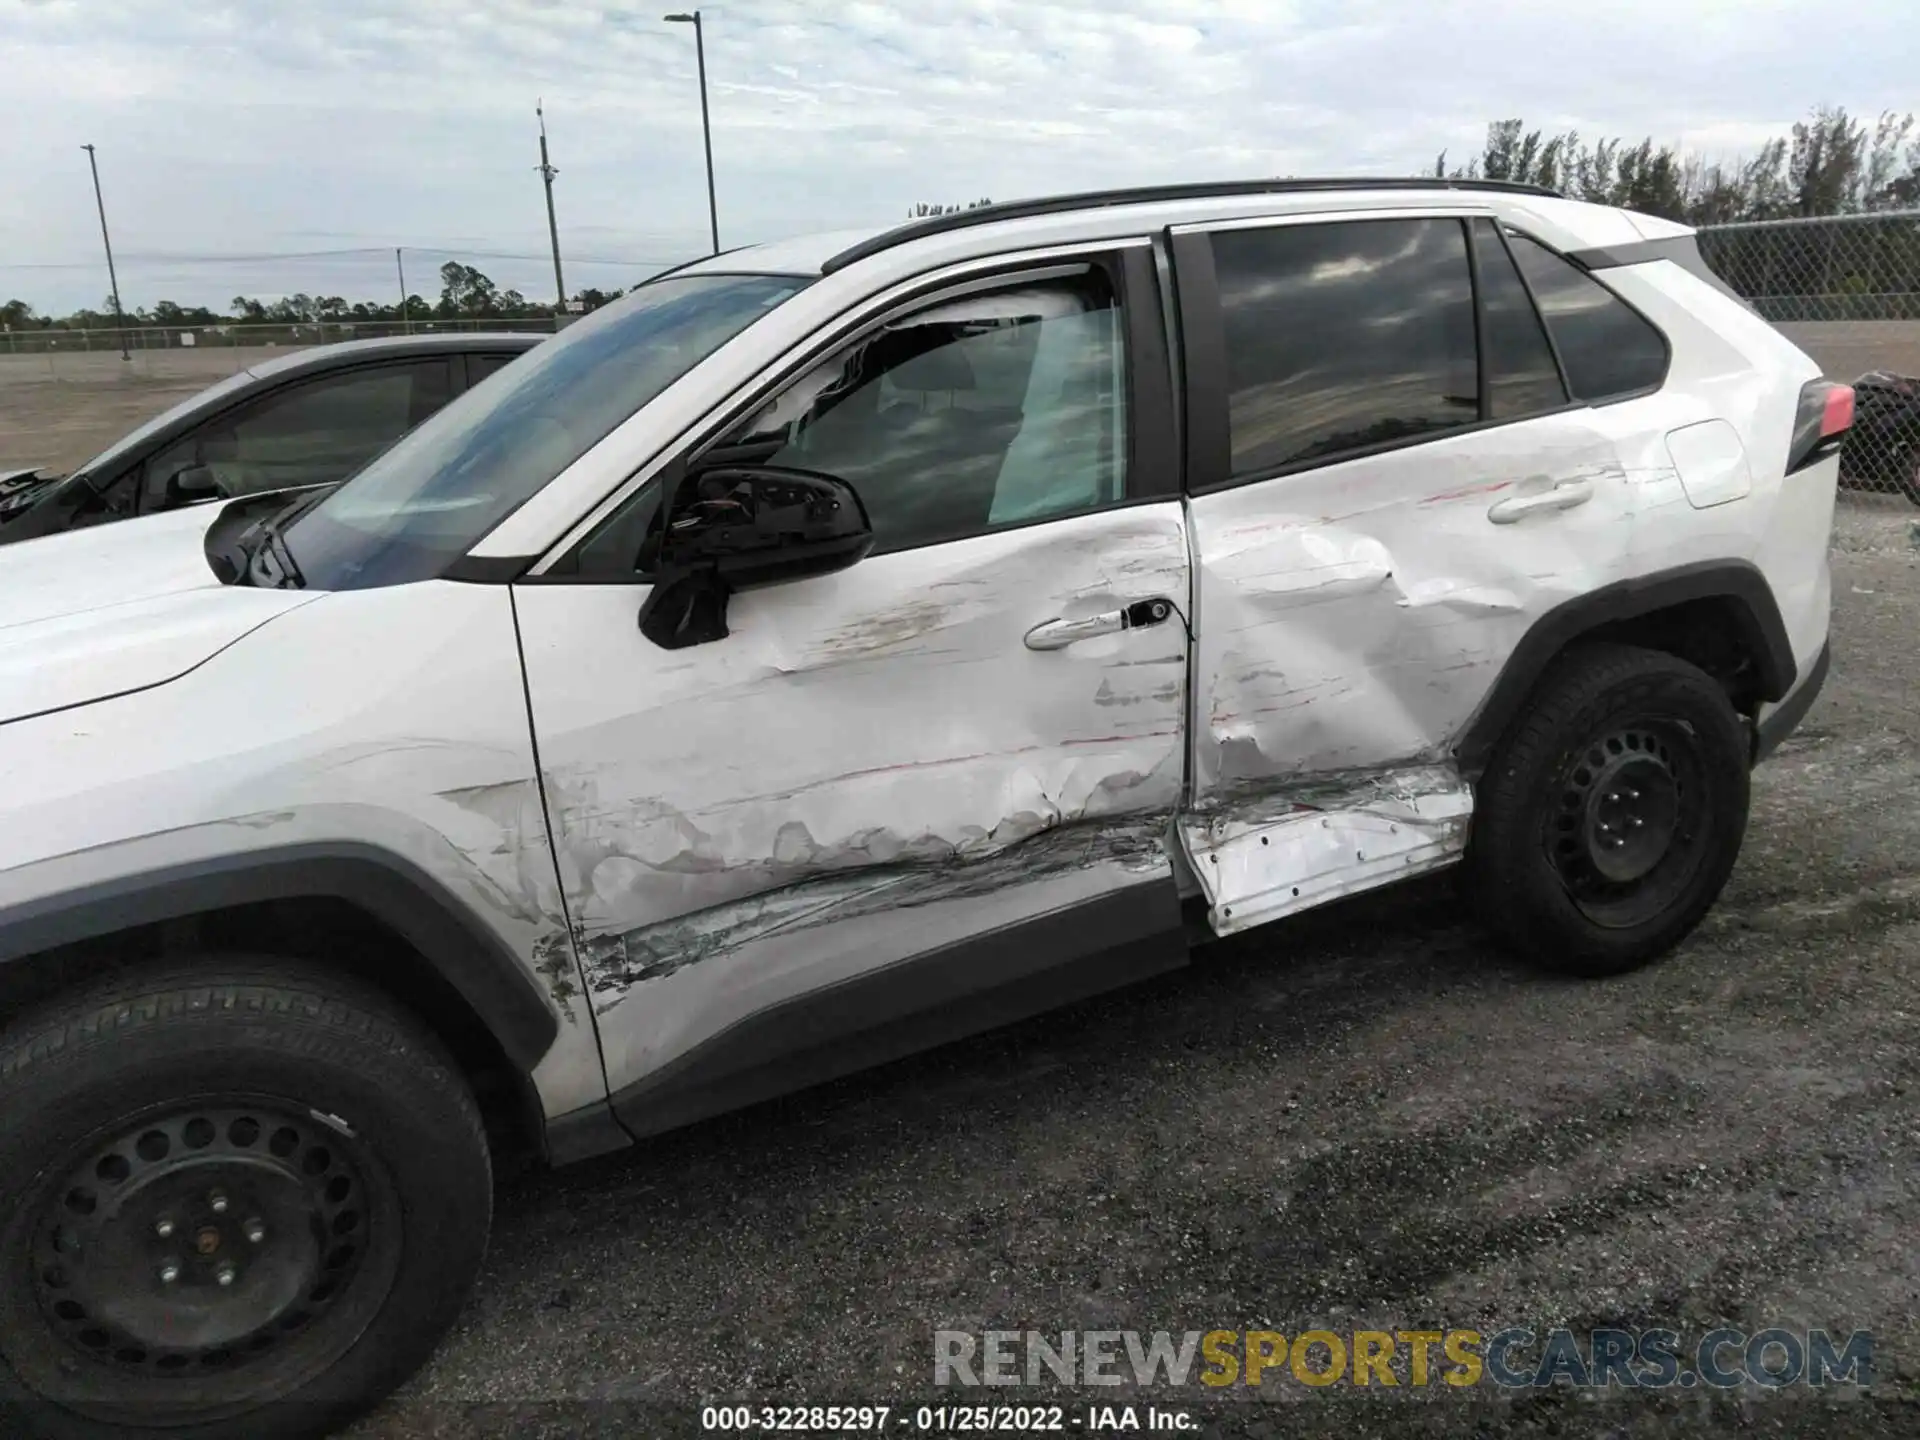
(1826, 414)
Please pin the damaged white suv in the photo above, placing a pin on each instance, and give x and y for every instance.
(829, 649)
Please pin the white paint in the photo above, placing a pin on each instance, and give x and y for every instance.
(1711, 462)
(1357, 614)
(889, 715)
(394, 719)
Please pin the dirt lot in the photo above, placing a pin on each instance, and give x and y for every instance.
(60, 410)
(1365, 1119)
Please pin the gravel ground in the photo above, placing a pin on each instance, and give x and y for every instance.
(1362, 1119)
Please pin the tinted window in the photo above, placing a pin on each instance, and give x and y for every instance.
(1345, 335)
(429, 498)
(310, 433)
(991, 410)
(1521, 376)
(481, 366)
(1609, 349)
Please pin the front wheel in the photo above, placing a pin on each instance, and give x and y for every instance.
(1613, 811)
(239, 1198)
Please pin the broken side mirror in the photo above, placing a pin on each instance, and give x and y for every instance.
(742, 527)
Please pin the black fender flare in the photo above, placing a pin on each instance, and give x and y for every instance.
(463, 951)
(1755, 613)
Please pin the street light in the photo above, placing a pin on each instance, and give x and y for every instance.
(112, 279)
(706, 127)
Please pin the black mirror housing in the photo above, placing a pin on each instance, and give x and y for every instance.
(740, 528)
(755, 525)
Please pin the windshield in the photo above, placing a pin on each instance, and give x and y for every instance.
(427, 500)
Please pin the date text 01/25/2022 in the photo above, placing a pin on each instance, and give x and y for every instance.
(948, 1419)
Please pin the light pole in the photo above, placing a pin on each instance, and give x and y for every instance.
(113, 280)
(706, 126)
(547, 172)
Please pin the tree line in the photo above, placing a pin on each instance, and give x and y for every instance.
(1828, 164)
(465, 294)
(1831, 163)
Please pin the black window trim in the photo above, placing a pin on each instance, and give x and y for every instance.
(1203, 352)
(1539, 315)
(1477, 299)
(1666, 341)
(1153, 469)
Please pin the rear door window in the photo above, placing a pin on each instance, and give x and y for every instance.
(1609, 349)
(1343, 337)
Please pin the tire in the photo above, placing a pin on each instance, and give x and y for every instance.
(1612, 812)
(241, 1117)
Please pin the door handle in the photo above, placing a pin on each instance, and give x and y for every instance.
(1562, 496)
(1058, 634)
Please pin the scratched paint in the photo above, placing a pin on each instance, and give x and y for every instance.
(1352, 621)
(858, 739)
(614, 962)
(415, 747)
(1357, 615)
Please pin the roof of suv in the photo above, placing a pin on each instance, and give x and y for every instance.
(394, 347)
(823, 254)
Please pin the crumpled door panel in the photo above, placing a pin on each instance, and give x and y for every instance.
(1351, 621)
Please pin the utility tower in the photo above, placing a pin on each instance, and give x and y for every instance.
(547, 172)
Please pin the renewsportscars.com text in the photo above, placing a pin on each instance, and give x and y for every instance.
(1512, 1358)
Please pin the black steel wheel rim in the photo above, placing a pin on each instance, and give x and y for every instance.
(200, 1258)
(1629, 824)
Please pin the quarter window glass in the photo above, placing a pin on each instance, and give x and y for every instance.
(481, 366)
(991, 410)
(1342, 336)
(308, 434)
(1608, 348)
(1521, 376)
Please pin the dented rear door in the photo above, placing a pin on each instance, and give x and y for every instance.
(946, 770)
(1390, 487)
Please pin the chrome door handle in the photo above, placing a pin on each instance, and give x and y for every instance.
(1057, 634)
(1563, 496)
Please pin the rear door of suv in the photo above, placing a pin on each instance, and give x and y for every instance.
(1389, 482)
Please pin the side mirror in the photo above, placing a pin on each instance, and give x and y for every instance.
(756, 525)
(192, 485)
(742, 527)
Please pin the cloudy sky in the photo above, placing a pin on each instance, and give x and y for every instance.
(229, 130)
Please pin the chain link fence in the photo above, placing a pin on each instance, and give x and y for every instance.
(1846, 289)
(236, 345)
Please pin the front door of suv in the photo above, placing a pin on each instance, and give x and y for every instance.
(924, 793)
(1389, 486)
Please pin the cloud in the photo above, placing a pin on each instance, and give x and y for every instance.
(242, 126)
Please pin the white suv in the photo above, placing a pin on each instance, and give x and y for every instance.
(832, 648)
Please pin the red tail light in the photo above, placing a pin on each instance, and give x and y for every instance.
(1825, 416)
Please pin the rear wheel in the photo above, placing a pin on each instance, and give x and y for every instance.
(236, 1199)
(1613, 811)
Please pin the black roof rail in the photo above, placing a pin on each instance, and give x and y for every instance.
(1153, 194)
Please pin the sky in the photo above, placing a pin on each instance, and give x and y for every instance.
(231, 130)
